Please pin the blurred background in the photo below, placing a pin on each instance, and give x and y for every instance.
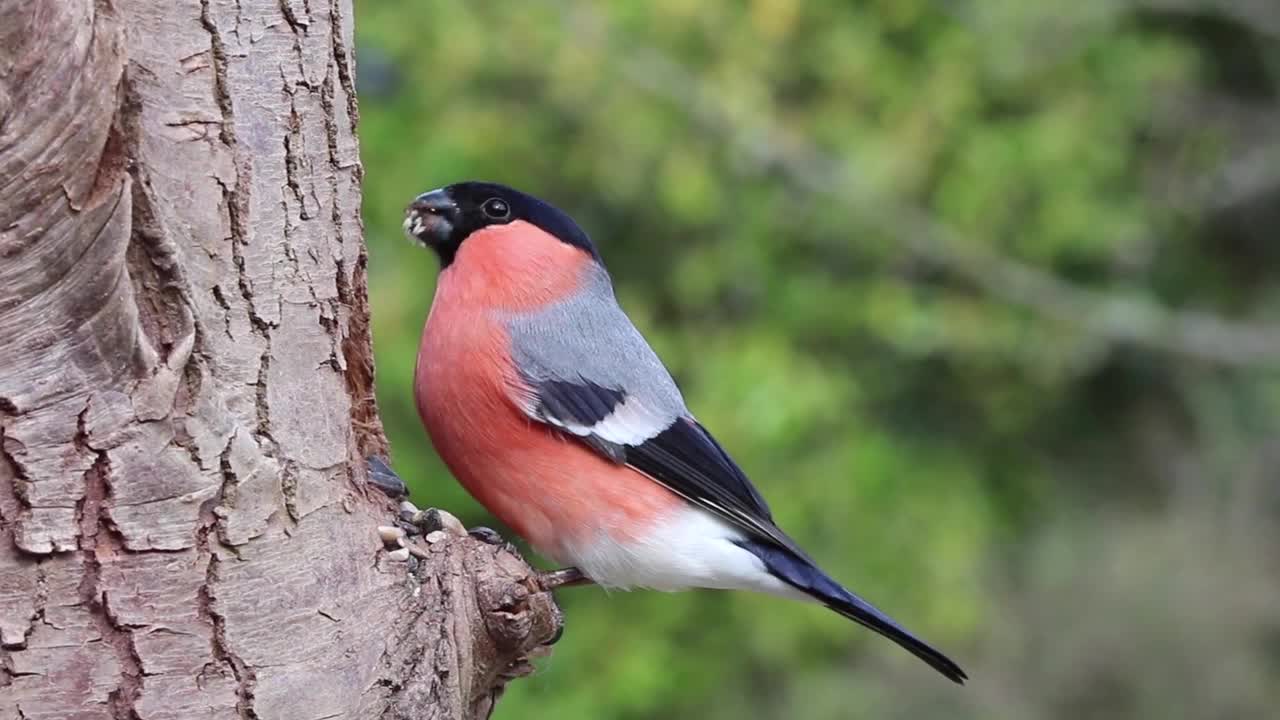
(983, 294)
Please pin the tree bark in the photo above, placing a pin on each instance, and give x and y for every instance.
(186, 387)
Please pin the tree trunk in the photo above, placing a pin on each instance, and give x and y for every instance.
(186, 387)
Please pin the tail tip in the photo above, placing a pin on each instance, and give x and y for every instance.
(951, 671)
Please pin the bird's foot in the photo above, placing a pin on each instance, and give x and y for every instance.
(385, 479)
(545, 581)
(489, 536)
(424, 522)
(565, 577)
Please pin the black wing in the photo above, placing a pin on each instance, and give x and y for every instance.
(577, 408)
(677, 452)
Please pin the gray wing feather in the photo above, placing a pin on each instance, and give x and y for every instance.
(551, 345)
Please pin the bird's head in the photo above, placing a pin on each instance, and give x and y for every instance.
(443, 219)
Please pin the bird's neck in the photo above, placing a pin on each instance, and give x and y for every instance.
(502, 268)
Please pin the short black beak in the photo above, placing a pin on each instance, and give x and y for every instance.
(432, 218)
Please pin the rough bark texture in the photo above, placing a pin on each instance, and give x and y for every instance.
(186, 387)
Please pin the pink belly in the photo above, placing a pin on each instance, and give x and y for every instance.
(551, 489)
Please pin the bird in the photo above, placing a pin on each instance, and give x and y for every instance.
(552, 410)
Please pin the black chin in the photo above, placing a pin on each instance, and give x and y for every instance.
(445, 251)
(434, 232)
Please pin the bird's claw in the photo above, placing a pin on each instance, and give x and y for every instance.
(556, 637)
(434, 519)
(385, 479)
(488, 536)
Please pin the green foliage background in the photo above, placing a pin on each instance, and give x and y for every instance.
(982, 295)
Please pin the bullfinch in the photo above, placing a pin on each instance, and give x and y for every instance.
(552, 410)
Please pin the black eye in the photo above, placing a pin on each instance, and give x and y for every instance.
(496, 208)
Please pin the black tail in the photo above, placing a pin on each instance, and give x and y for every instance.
(806, 577)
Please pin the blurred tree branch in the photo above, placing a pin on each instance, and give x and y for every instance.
(765, 145)
(1261, 16)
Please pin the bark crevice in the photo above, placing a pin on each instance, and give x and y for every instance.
(223, 651)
